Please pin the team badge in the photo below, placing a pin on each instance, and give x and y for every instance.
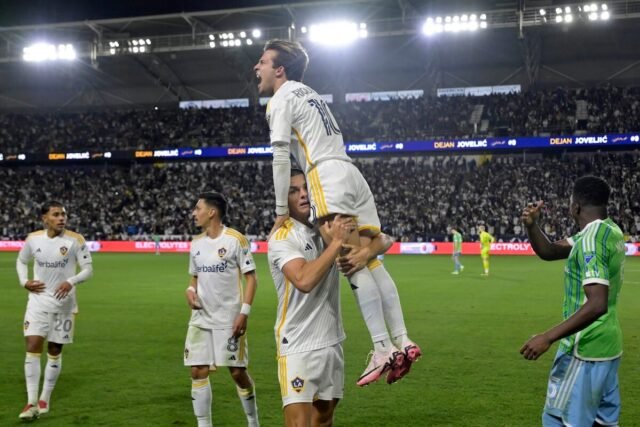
(222, 252)
(588, 258)
(26, 325)
(297, 384)
(64, 250)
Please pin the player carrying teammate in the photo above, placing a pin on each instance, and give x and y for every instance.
(583, 385)
(486, 240)
(302, 125)
(216, 335)
(51, 309)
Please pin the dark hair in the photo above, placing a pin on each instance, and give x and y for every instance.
(296, 172)
(216, 200)
(48, 205)
(591, 191)
(291, 55)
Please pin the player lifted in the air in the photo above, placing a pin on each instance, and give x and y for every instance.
(302, 125)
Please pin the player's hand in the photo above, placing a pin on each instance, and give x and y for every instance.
(531, 213)
(280, 219)
(535, 347)
(63, 290)
(354, 260)
(239, 325)
(339, 229)
(192, 300)
(35, 286)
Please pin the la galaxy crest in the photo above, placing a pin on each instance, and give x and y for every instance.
(297, 384)
(222, 252)
(64, 250)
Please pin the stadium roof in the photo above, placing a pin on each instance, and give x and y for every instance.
(518, 47)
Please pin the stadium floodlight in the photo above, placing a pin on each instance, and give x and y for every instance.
(148, 42)
(593, 16)
(303, 30)
(112, 51)
(256, 33)
(473, 17)
(604, 15)
(453, 24)
(568, 18)
(438, 20)
(558, 10)
(249, 42)
(135, 49)
(336, 33)
(237, 42)
(559, 18)
(212, 37)
(141, 42)
(243, 34)
(604, 6)
(543, 12)
(567, 9)
(39, 52)
(212, 44)
(225, 43)
(464, 18)
(230, 35)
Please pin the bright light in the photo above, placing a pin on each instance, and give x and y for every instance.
(149, 42)
(543, 12)
(335, 33)
(363, 26)
(559, 18)
(212, 37)
(586, 8)
(453, 24)
(112, 51)
(439, 20)
(229, 35)
(304, 30)
(456, 18)
(249, 42)
(243, 34)
(604, 6)
(604, 15)
(363, 34)
(141, 41)
(473, 17)
(483, 17)
(212, 44)
(593, 16)
(225, 43)
(237, 42)
(567, 9)
(136, 50)
(256, 33)
(48, 52)
(142, 49)
(447, 19)
(464, 18)
(568, 18)
(558, 10)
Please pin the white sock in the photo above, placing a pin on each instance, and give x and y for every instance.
(368, 299)
(201, 397)
(32, 376)
(390, 303)
(51, 374)
(249, 403)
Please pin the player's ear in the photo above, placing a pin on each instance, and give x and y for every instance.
(280, 71)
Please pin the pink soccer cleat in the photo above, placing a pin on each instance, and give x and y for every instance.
(43, 407)
(379, 364)
(30, 412)
(411, 354)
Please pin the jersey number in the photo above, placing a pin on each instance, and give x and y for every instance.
(327, 119)
(63, 326)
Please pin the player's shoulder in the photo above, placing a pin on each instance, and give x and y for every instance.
(236, 235)
(198, 238)
(75, 236)
(36, 234)
(284, 232)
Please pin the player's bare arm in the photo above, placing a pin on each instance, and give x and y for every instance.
(192, 294)
(240, 322)
(545, 249)
(596, 306)
(305, 275)
(359, 256)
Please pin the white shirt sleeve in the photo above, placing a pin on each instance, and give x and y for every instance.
(83, 258)
(22, 263)
(283, 251)
(245, 259)
(280, 120)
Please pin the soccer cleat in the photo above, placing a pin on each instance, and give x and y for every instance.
(412, 352)
(43, 407)
(461, 268)
(484, 274)
(455, 272)
(379, 364)
(30, 412)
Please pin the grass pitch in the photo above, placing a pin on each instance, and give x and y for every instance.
(125, 368)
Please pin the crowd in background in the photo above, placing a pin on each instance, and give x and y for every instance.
(540, 112)
(418, 198)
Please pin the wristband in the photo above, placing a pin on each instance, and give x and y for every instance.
(246, 309)
(282, 210)
(191, 289)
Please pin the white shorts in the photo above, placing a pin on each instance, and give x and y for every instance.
(54, 327)
(338, 187)
(215, 347)
(312, 375)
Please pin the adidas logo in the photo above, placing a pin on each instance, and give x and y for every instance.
(38, 250)
(353, 287)
(285, 341)
(197, 253)
(232, 358)
(65, 337)
(308, 247)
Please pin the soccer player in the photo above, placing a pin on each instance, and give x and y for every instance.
(216, 334)
(302, 125)
(457, 250)
(486, 240)
(583, 385)
(51, 309)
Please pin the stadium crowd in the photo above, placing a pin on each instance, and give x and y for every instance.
(418, 198)
(541, 112)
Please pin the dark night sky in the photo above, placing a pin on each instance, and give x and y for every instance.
(27, 12)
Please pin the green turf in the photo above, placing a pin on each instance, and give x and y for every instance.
(125, 368)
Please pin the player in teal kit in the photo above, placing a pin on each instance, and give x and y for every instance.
(583, 385)
(457, 251)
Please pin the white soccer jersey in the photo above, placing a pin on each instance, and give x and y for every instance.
(219, 264)
(308, 321)
(55, 260)
(298, 114)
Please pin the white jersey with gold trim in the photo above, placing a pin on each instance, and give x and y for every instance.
(298, 114)
(54, 261)
(219, 264)
(306, 321)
